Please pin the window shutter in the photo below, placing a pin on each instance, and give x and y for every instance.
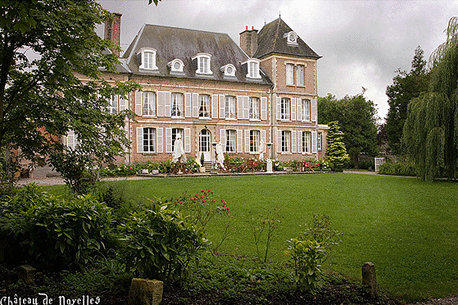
(246, 107)
(138, 103)
(222, 104)
(247, 141)
(293, 109)
(278, 108)
(279, 141)
(300, 149)
(139, 139)
(160, 138)
(314, 148)
(314, 109)
(187, 105)
(239, 141)
(168, 140)
(123, 103)
(264, 140)
(195, 105)
(215, 106)
(187, 140)
(167, 104)
(240, 107)
(161, 100)
(299, 110)
(293, 142)
(264, 108)
(222, 138)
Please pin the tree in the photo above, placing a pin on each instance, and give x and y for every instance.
(405, 87)
(336, 152)
(44, 47)
(431, 129)
(357, 118)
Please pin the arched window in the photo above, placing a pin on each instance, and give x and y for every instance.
(204, 140)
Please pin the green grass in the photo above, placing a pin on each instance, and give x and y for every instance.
(407, 227)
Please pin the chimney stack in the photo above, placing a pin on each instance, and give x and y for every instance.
(113, 31)
(249, 41)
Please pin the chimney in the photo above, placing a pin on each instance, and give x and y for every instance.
(113, 31)
(249, 41)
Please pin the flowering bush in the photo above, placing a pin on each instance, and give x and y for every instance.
(240, 165)
(302, 165)
(163, 167)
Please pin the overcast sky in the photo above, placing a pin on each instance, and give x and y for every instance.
(362, 42)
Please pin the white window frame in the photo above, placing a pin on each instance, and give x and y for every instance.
(291, 38)
(306, 139)
(254, 108)
(285, 108)
(253, 70)
(177, 104)
(148, 59)
(113, 106)
(202, 67)
(306, 110)
(148, 103)
(225, 70)
(229, 107)
(204, 139)
(300, 75)
(204, 106)
(149, 140)
(285, 141)
(289, 72)
(231, 138)
(319, 138)
(173, 63)
(71, 140)
(175, 132)
(254, 141)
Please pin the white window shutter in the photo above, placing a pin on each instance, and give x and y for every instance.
(138, 103)
(300, 149)
(278, 108)
(264, 140)
(314, 109)
(263, 108)
(246, 107)
(279, 141)
(195, 105)
(222, 138)
(299, 110)
(139, 139)
(314, 148)
(222, 105)
(168, 140)
(293, 142)
(187, 105)
(161, 100)
(167, 104)
(123, 103)
(160, 139)
(187, 140)
(293, 109)
(247, 141)
(240, 107)
(215, 106)
(239, 141)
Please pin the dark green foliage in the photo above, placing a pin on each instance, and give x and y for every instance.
(336, 152)
(405, 87)
(357, 118)
(398, 169)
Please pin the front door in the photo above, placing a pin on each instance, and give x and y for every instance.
(204, 144)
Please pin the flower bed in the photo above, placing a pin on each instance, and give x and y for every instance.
(163, 167)
(240, 165)
(301, 166)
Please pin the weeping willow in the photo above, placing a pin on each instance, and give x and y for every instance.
(431, 128)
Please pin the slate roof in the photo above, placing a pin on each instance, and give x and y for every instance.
(172, 42)
(271, 40)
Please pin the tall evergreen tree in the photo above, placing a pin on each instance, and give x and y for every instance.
(431, 129)
(405, 87)
(336, 152)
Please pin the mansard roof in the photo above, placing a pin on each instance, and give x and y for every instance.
(177, 43)
(272, 40)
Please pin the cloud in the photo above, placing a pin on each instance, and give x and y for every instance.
(362, 42)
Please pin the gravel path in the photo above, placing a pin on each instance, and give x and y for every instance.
(443, 301)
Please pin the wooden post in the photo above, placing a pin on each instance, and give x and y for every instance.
(369, 280)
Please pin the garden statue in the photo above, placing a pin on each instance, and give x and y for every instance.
(219, 155)
(178, 150)
(269, 166)
(262, 149)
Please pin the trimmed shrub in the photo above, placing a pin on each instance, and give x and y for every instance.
(398, 168)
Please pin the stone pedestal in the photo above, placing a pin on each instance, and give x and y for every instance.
(26, 273)
(145, 292)
(269, 166)
(369, 280)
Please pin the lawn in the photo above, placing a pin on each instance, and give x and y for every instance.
(407, 227)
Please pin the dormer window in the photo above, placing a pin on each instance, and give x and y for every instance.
(291, 38)
(203, 63)
(253, 68)
(176, 65)
(228, 70)
(147, 58)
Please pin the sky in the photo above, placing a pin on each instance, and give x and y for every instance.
(363, 43)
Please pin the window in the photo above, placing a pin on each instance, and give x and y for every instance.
(306, 141)
(254, 108)
(285, 108)
(176, 65)
(177, 104)
(306, 109)
(230, 107)
(148, 60)
(285, 141)
(175, 132)
(204, 140)
(204, 108)
(289, 74)
(230, 140)
(291, 38)
(72, 140)
(319, 139)
(300, 75)
(253, 69)
(203, 63)
(113, 105)
(149, 139)
(148, 103)
(254, 140)
(229, 70)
